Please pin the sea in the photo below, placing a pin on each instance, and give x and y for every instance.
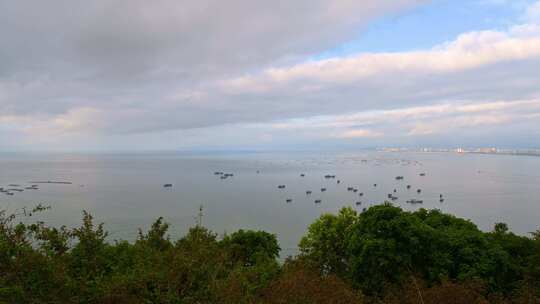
(126, 191)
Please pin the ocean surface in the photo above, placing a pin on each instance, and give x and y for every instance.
(125, 191)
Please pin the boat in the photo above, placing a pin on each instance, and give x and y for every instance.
(308, 192)
(323, 189)
(399, 177)
(289, 200)
(281, 187)
(415, 201)
(361, 194)
(419, 190)
(408, 186)
(167, 186)
(358, 203)
(422, 174)
(317, 201)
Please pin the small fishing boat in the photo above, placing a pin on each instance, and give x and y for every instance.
(302, 175)
(358, 203)
(323, 189)
(419, 190)
(399, 177)
(415, 201)
(308, 192)
(361, 194)
(317, 201)
(422, 174)
(281, 187)
(167, 186)
(408, 186)
(288, 200)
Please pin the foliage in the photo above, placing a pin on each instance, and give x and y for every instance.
(386, 245)
(383, 255)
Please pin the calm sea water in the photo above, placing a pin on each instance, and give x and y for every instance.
(126, 191)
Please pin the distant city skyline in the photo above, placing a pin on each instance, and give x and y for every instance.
(214, 75)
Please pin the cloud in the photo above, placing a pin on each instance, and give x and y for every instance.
(359, 133)
(468, 52)
(432, 119)
(123, 72)
(533, 12)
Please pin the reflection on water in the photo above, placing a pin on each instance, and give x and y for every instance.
(126, 191)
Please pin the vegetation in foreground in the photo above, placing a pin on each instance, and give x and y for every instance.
(383, 255)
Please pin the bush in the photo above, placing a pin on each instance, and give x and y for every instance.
(383, 255)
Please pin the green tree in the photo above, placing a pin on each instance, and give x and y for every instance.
(326, 242)
(248, 247)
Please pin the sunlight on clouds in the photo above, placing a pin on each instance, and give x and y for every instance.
(435, 119)
(81, 120)
(468, 51)
(359, 133)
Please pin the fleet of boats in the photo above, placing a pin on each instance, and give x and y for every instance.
(222, 175)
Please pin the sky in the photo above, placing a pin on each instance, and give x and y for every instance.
(138, 75)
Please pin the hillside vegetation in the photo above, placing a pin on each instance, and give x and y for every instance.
(382, 255)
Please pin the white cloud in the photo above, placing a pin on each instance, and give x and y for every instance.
(363, 133)
(533, 12)
(468, 51)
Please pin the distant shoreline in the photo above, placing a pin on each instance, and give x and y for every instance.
(460, 151)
